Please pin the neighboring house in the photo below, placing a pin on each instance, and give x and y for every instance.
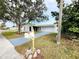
(40, 28)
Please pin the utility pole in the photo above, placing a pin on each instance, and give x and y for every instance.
(60, 22)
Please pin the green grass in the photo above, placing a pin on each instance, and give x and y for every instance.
(67, 50)
(11, 34)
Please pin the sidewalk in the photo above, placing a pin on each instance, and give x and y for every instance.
(22, 40)
(7, 50)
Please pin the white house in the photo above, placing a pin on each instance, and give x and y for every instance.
(40, 28)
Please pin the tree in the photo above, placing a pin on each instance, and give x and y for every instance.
(71, 17)
(2, 9)
(59, 19)
(20, 11)
(70, 25)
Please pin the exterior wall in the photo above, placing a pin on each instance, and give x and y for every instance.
(14, 28)
(25, 28)
(48, 29)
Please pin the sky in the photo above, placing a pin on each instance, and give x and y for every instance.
(51, 6)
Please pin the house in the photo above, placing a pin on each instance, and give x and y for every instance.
(40, 28)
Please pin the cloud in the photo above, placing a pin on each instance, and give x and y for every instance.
(51, 1)
(51, 4)
(68, 1)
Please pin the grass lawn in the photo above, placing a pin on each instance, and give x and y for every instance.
(50, 50)
(11, 35)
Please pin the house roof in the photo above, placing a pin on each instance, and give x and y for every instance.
(44, 25)
(40, 25)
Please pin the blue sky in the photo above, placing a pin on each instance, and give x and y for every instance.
(51, 6)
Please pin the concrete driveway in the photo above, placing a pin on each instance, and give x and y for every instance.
(7, 50)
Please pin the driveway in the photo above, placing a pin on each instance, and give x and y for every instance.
(7, 50)
(22, 40)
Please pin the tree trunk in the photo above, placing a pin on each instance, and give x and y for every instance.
(19, 26)
(60, 22)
